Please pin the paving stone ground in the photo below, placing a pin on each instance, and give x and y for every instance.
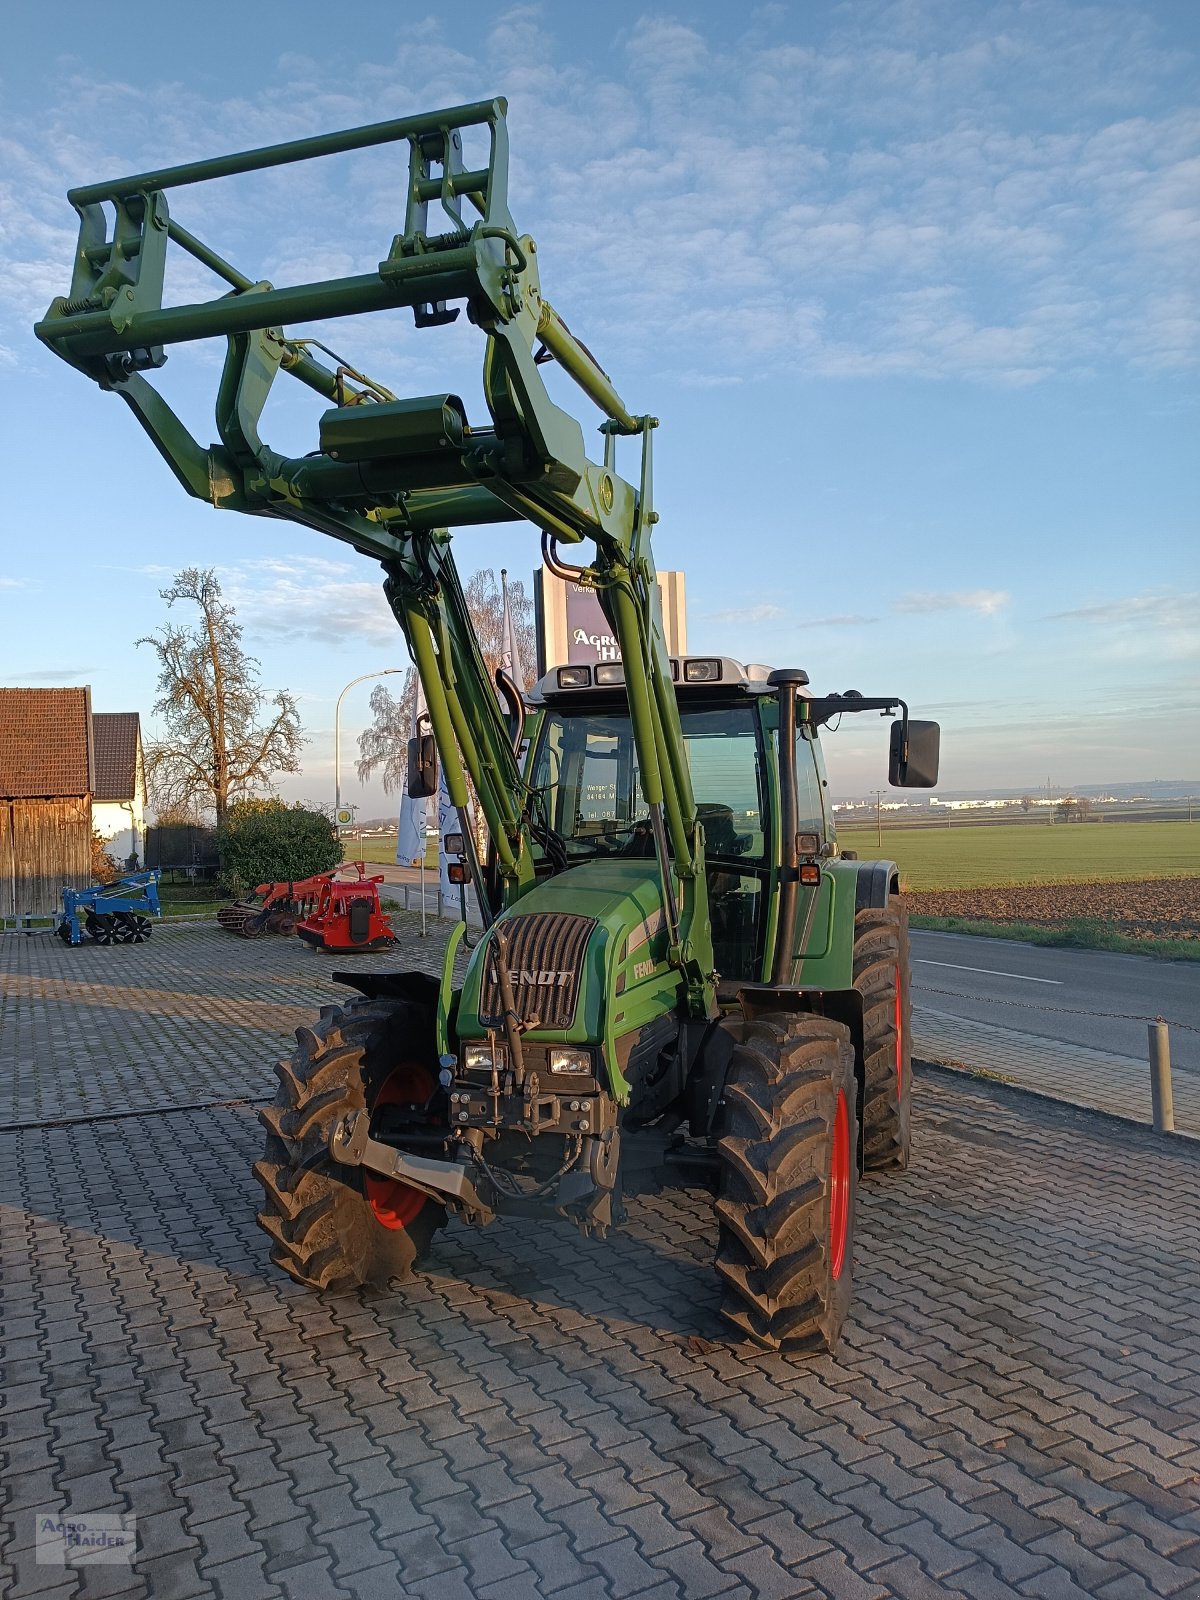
(1015, 1409)
(1119, 1085)
(193, 1015)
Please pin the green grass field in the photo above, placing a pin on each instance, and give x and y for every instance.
(190, 900)
(382, 850)
(369, 850)
(969, 857)
(998, 855)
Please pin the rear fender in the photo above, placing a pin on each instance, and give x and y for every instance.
(876, 882)
(417, 987)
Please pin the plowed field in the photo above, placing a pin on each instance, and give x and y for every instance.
(1167, 908)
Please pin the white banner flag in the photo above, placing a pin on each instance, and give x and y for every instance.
(414, 813)
(510, 655)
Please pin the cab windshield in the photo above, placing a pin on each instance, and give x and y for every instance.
(586, 776)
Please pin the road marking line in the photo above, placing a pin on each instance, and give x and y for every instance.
(990, 971)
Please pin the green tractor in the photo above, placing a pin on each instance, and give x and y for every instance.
(670, 936)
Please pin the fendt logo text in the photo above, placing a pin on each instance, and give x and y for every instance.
(548, 980)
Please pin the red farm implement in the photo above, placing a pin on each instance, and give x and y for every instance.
(329, 911)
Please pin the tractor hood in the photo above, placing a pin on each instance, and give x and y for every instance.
(586, 952)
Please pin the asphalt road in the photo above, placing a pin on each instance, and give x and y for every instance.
(1085, 997)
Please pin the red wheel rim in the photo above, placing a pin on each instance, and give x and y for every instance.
(396, 1204)
(839, 1187)
(899, 1038)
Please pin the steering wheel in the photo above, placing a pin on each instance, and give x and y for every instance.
(641, 842)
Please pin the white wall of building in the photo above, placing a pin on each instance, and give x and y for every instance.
(113, 822)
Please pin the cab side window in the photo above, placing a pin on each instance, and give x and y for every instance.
(810, 792)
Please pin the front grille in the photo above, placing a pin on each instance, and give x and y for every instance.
(545, 963)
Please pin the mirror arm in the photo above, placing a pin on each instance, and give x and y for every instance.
(823, 709)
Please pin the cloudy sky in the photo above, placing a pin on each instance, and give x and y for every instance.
(912, 285)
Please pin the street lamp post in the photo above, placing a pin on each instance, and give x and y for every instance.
(384, 672)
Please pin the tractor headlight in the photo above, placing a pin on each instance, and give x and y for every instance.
(701, 671)
(483, 1055)
(570, 1061)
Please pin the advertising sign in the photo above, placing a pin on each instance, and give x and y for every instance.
(572, 627)
(589, 632)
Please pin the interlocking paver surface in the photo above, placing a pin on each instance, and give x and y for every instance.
(1117, 1084)
(1015, 1409)
(95, 1029)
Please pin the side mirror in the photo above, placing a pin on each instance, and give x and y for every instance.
(914, 766)
(422, 767)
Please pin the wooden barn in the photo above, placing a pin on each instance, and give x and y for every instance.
(47, 781)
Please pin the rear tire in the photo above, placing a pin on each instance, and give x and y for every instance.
(882, 975)
(788, 1150)
(324, 1219)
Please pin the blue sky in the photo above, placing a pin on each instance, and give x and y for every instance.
(911, 285)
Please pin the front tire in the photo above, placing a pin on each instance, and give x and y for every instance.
(788, 1151)
(882, 975)
(335, 1227)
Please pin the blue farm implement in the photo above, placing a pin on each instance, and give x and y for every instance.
(111, 913)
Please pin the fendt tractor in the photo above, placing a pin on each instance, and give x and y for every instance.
(670, 935)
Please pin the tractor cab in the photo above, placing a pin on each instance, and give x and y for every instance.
(582, 771)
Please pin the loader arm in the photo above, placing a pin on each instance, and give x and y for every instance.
(392, 477)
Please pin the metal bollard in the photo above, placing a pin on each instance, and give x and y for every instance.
(1162, 1103)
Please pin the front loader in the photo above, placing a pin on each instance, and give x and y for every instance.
(670, 935)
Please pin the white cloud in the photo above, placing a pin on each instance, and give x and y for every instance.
(1153, 627)
(1155, 609)
(148, 569)
(898, 197)
(300, 597)
(60, 675)
(764, 611)
(986, 602)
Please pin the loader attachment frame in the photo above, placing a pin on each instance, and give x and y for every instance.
(393, 476)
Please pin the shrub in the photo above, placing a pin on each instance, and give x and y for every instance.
(105, 868)
(265, 841)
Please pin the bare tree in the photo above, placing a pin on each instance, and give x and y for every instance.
(171, 811)
(383, 747)
(485, 602)
(225, 738)
(1026, 802)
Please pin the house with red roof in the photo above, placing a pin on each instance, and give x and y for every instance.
(119, 798)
